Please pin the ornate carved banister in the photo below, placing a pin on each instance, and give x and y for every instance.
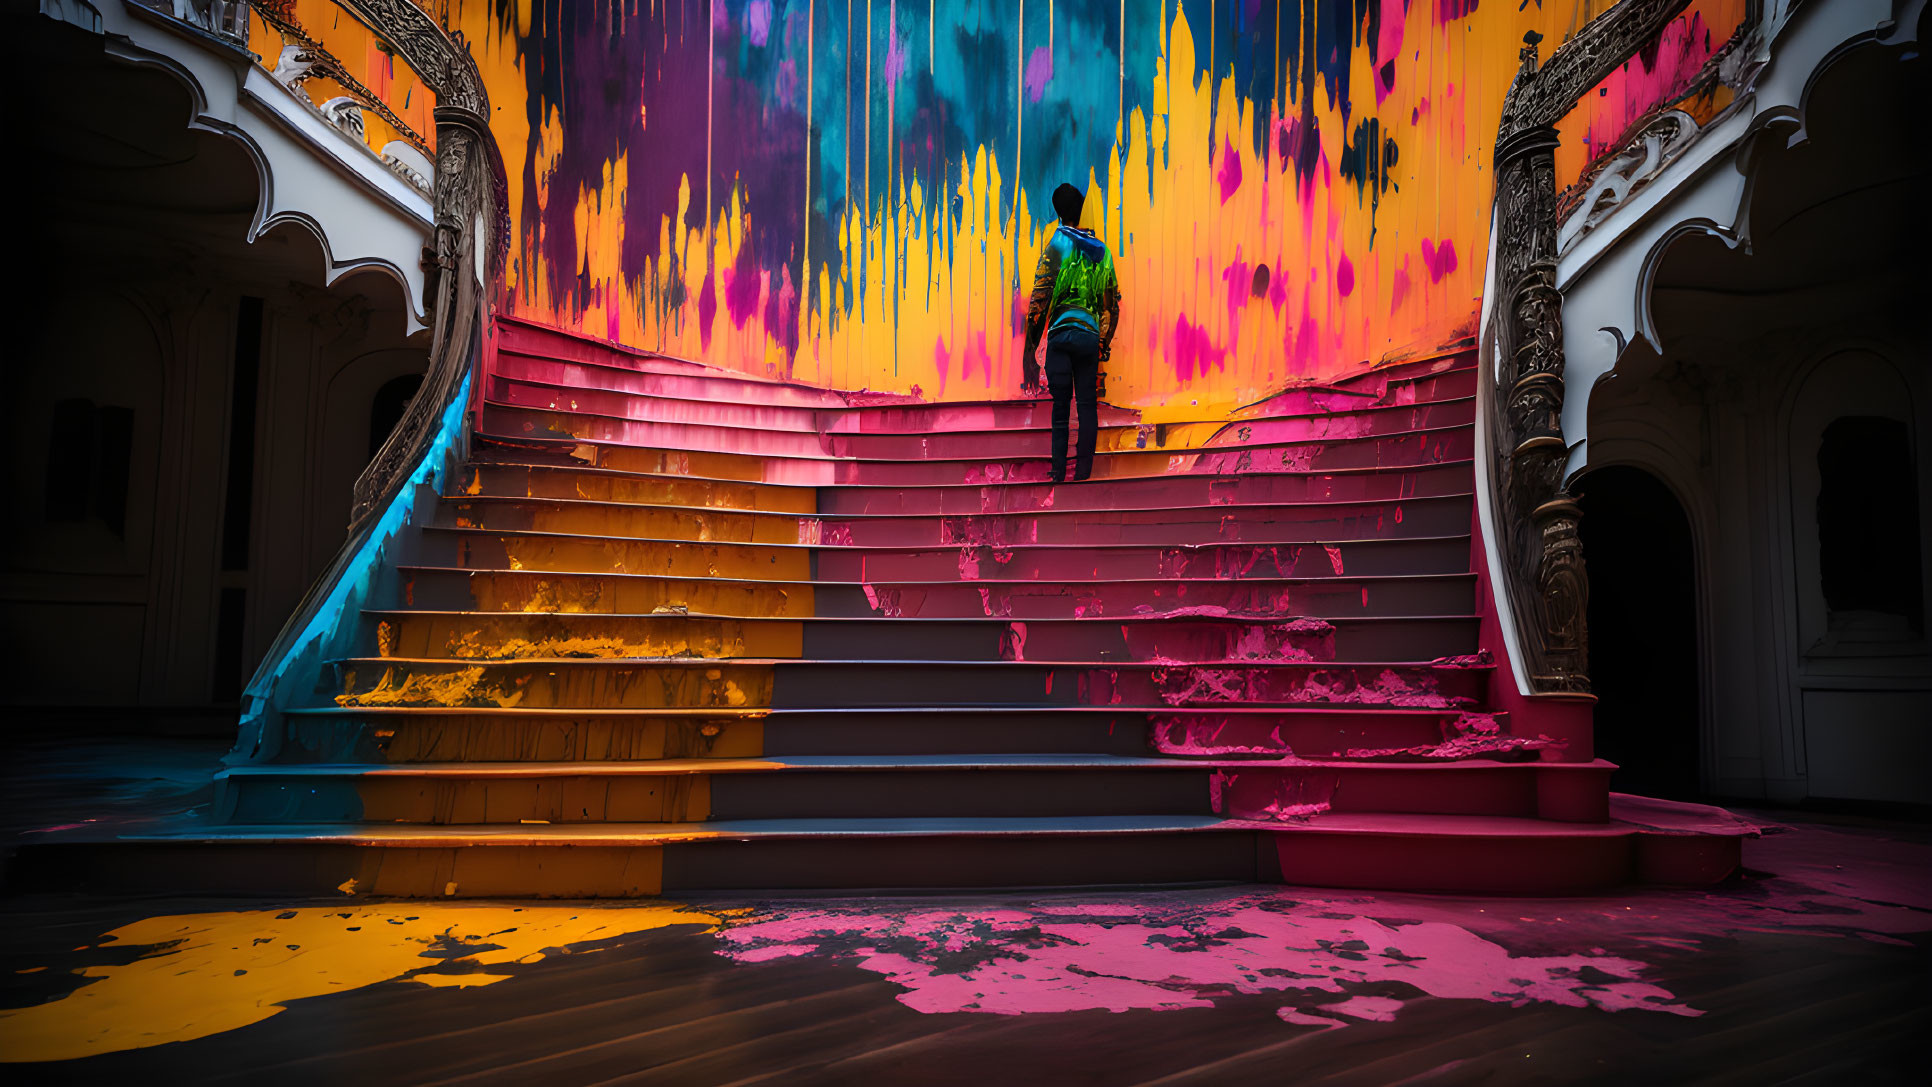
(466, 194)
(466, 250)
(1536, 518)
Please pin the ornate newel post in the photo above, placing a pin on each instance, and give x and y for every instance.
(1535, 516)
(1538, 532)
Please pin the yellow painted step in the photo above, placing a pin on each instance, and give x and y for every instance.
(499, 636)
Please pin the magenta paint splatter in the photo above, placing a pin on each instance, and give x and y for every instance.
(707, 305)
(1039, 72)
(1230, 173)
(1171, 955)
(1193, 350)
(758, 22)
(1344, 276)
(1439, 259)
(743, 283)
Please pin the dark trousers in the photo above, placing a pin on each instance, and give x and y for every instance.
(1073, 373)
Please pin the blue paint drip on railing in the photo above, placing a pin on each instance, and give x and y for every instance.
(360, 572)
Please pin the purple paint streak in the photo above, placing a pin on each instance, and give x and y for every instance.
(758, 22)
(1039, 72)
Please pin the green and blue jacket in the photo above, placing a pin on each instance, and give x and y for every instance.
(1074, 286)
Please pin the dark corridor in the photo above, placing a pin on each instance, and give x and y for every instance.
(1643, 631)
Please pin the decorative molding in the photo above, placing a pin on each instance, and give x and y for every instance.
(295, 65)
(345, 113)
(311, 58)
(1652, 148)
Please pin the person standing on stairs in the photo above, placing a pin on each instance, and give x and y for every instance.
(1076, 306)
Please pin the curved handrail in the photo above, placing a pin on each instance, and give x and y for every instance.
(1534, 517)
(413, 462)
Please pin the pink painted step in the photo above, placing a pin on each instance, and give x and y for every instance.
(1563, 792)
(528, 381)
(990, 490)
(450, 587)
(496, 499)
(1437, 555)
(1163, 492)
(532, 411)
(708, 386)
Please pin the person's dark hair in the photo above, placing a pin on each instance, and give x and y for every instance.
(1067, 202)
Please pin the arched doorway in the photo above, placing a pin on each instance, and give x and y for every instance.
(1643, 631)
(386, 408)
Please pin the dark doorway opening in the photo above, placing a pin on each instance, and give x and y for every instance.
(387, 407)
(1643, 631)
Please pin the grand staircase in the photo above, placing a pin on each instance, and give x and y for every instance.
(678, 628)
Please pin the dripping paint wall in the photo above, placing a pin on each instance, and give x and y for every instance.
(853, 192)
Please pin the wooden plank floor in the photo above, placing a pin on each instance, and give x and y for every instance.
(1810, 969)
(664, 1008)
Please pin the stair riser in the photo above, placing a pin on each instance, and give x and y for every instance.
(1171, 492)
(659, 798)
(442, 590)
(520, 686)
(1369, 558)
(952, 434)
(478, 550)
(1031, 465)
(1260, 525)
(496, 636)
(924, 863)
(1530, 790)
(984, 494)
(697, 797)
(830, 684)
(565, 553)
(394, 738)
(1445, 865)
(524, 506)
(512, 450)
(918, 460)
(714, 387)
(1084, 641)
(1139, 686)
(659, 523)
(513, 336)
(1277, 599)
(1295, 795)
(648, 408)
(1339, 598)
(516, 481)
(1165, 528)
(517, 338)
(835, 416)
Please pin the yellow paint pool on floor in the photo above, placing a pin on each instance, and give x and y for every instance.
(213, 972)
